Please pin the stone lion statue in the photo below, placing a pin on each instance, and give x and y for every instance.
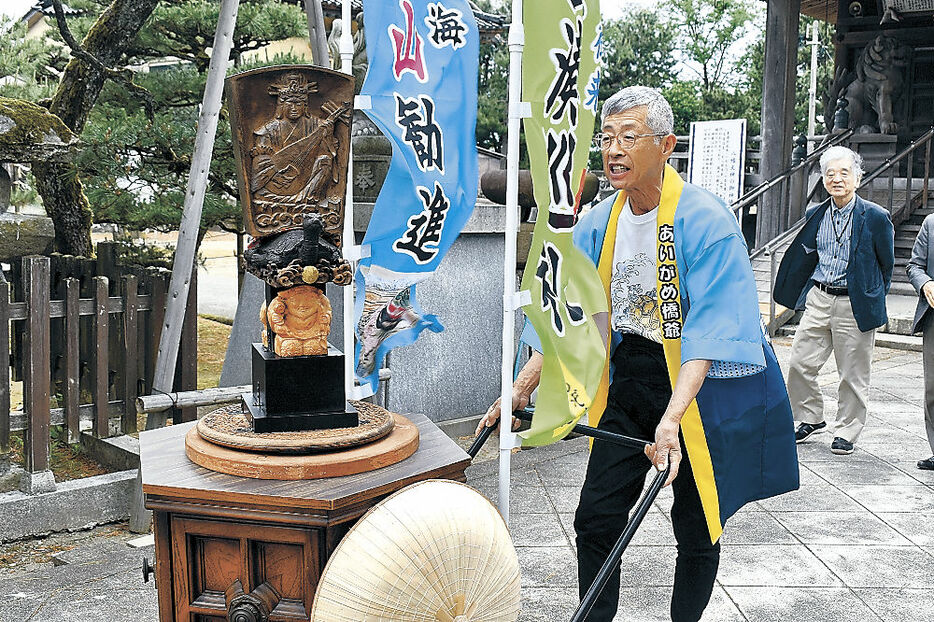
(873, 89)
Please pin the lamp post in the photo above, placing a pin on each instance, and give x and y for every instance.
(812, 89)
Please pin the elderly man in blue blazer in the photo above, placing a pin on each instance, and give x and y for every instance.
(838, 268)
(921, 274)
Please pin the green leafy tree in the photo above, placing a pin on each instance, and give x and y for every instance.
(708, 31)
(108, 30)
(26, 65)
(639, 50)
(135, 167)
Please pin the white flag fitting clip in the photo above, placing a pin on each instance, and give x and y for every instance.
(362, 102)
(356, 253)
(517, 300)
(520, 110)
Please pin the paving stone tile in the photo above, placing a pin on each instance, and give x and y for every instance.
(536, 530)
(860, 527)
(644, 604)
(565, 471)
(655, 529)
(547, 566)
(877, 565)
(756, 528)
(780, 565)
(786, 604)
(917, 498)
(914, 526)
(899, 605)
(816, 498)
(875, 471)
(808, 477)
(648, 565)
(526, 499)
(547, 604)
(818, 450)
(563, 498)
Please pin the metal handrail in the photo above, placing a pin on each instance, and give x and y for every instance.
(889, 165)
(924, 138)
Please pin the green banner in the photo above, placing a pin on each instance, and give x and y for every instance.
(560, 76)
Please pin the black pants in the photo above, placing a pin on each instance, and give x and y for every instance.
(615, 478)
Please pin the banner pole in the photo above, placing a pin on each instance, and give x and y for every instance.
(346, 51)
(507, 438)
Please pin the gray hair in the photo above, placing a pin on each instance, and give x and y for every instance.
(659, 118)
(839, 152)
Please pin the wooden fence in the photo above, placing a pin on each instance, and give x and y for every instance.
(86, 332)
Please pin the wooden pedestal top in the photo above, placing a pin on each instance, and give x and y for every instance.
(401, 443)
(169, 476)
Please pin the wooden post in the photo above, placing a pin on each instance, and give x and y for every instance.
(187, 372)
(72, 388)
(101, 359)
(37, 478)
(319, 44)
(778, 100)
(4, 376)
(130, 349)
(158, 290)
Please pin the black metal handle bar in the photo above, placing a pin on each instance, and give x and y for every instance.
(480, 440)
(616, 554)
(603, 435)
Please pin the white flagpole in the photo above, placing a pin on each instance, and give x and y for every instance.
(346, 50)
(507, 438)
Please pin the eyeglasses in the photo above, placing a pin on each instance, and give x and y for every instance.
(832, 174)
(626, 140)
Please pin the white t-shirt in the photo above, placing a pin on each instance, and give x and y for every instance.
(634, 281)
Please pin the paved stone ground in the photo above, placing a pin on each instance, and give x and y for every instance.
(855, 543)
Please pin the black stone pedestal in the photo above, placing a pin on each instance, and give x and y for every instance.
(298, 393)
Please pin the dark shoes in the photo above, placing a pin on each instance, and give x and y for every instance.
(926, 464)
(841, 446)
(807, 429)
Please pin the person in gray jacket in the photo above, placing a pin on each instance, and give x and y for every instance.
(921, 274)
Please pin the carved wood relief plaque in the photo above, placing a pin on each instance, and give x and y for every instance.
(291, 139)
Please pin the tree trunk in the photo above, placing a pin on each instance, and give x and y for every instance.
(81, 83)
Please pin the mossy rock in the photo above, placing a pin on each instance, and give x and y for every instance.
(24, 234)
(30, 133)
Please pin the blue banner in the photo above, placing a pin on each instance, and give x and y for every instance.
(422, 85)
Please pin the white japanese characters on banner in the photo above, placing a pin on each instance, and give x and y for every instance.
(717, 157)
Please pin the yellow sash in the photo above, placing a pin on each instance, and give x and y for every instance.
(669, 308)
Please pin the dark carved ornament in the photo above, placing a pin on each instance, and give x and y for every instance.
(872, 89)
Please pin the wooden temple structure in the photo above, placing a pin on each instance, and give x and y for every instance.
(884, 75)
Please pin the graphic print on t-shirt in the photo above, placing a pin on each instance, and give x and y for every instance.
(632, 293)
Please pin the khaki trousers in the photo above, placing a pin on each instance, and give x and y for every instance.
(828, 326)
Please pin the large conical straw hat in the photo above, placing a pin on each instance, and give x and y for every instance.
(436, 551)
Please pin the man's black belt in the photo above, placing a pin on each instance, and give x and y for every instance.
(829, 289)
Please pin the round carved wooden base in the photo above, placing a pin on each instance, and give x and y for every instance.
(228, 426)
(397, 446)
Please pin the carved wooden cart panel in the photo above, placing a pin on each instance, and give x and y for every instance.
(213, 555)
